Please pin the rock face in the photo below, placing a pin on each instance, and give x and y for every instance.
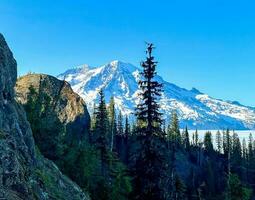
(64, 106)
(8, 71)
(24, 173)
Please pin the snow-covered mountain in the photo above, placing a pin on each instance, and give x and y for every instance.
(195, 109)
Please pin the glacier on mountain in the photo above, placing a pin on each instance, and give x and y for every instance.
(195, 109)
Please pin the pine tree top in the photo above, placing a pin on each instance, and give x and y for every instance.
(148, 109)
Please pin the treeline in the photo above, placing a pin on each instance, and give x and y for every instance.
(150, 159)
(152, 150)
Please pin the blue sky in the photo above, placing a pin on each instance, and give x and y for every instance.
(205, 44)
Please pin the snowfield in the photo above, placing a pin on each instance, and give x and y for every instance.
(195, 109)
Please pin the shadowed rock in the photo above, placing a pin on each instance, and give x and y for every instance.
(64, 112)
(68, 106)
(24, 173)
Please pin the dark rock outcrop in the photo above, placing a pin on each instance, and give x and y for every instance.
(24, 173)
(61, 114)
(66, 105)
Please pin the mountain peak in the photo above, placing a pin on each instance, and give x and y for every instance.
(121, 66)
(83, 66)
(116, 62)
(195, 109)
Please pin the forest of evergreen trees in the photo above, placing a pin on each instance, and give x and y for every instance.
(154, 159)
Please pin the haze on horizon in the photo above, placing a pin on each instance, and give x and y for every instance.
(205, 45)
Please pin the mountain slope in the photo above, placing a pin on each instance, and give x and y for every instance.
(195, 109)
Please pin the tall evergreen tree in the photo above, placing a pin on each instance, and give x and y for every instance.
(236, 191)
(218, 141)
(93, 119)
(101, 131)
(173, 143)
(250, 148)
(150, 163)
(148, 110)
(126, 140)
(164, 129)
(169, 135)
(210, 178)
(112, 122)
(236, 155)
(120, 136)
(173, 132)
(244, 160)
(196, 138)
(251, 159)
(179, 189)
(186, 141)
(193, 139)
(208, 142)
(31, 106)
(244, 149)
(120, 129)
(127, 127)
(227, 143)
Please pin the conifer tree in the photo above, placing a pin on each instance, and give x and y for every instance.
(244, 160)
(119, 136)
(112, 122)
(218, 141)
(186, 141)
(236, 191)
(244, 149)
(250, 148)
(126, 140)
(133, 128)
(150, 163)
(173, 143)
(31, 106)
(93, 119)
(169, 136)
(196, 138)
(191, 187)
(179, 189)
(193, 139)
(127, 127)
(174, 130)
(121, 186)
(209, 179)
(164, 129)
(183, 138)
(251, 159)
(120, 129)
(208, 142)
(227, 143)
(101, 131)
(236, 155)
(224, 142)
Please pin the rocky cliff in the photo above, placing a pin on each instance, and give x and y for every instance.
(62, 114)
(68, 106)
(24, 173)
